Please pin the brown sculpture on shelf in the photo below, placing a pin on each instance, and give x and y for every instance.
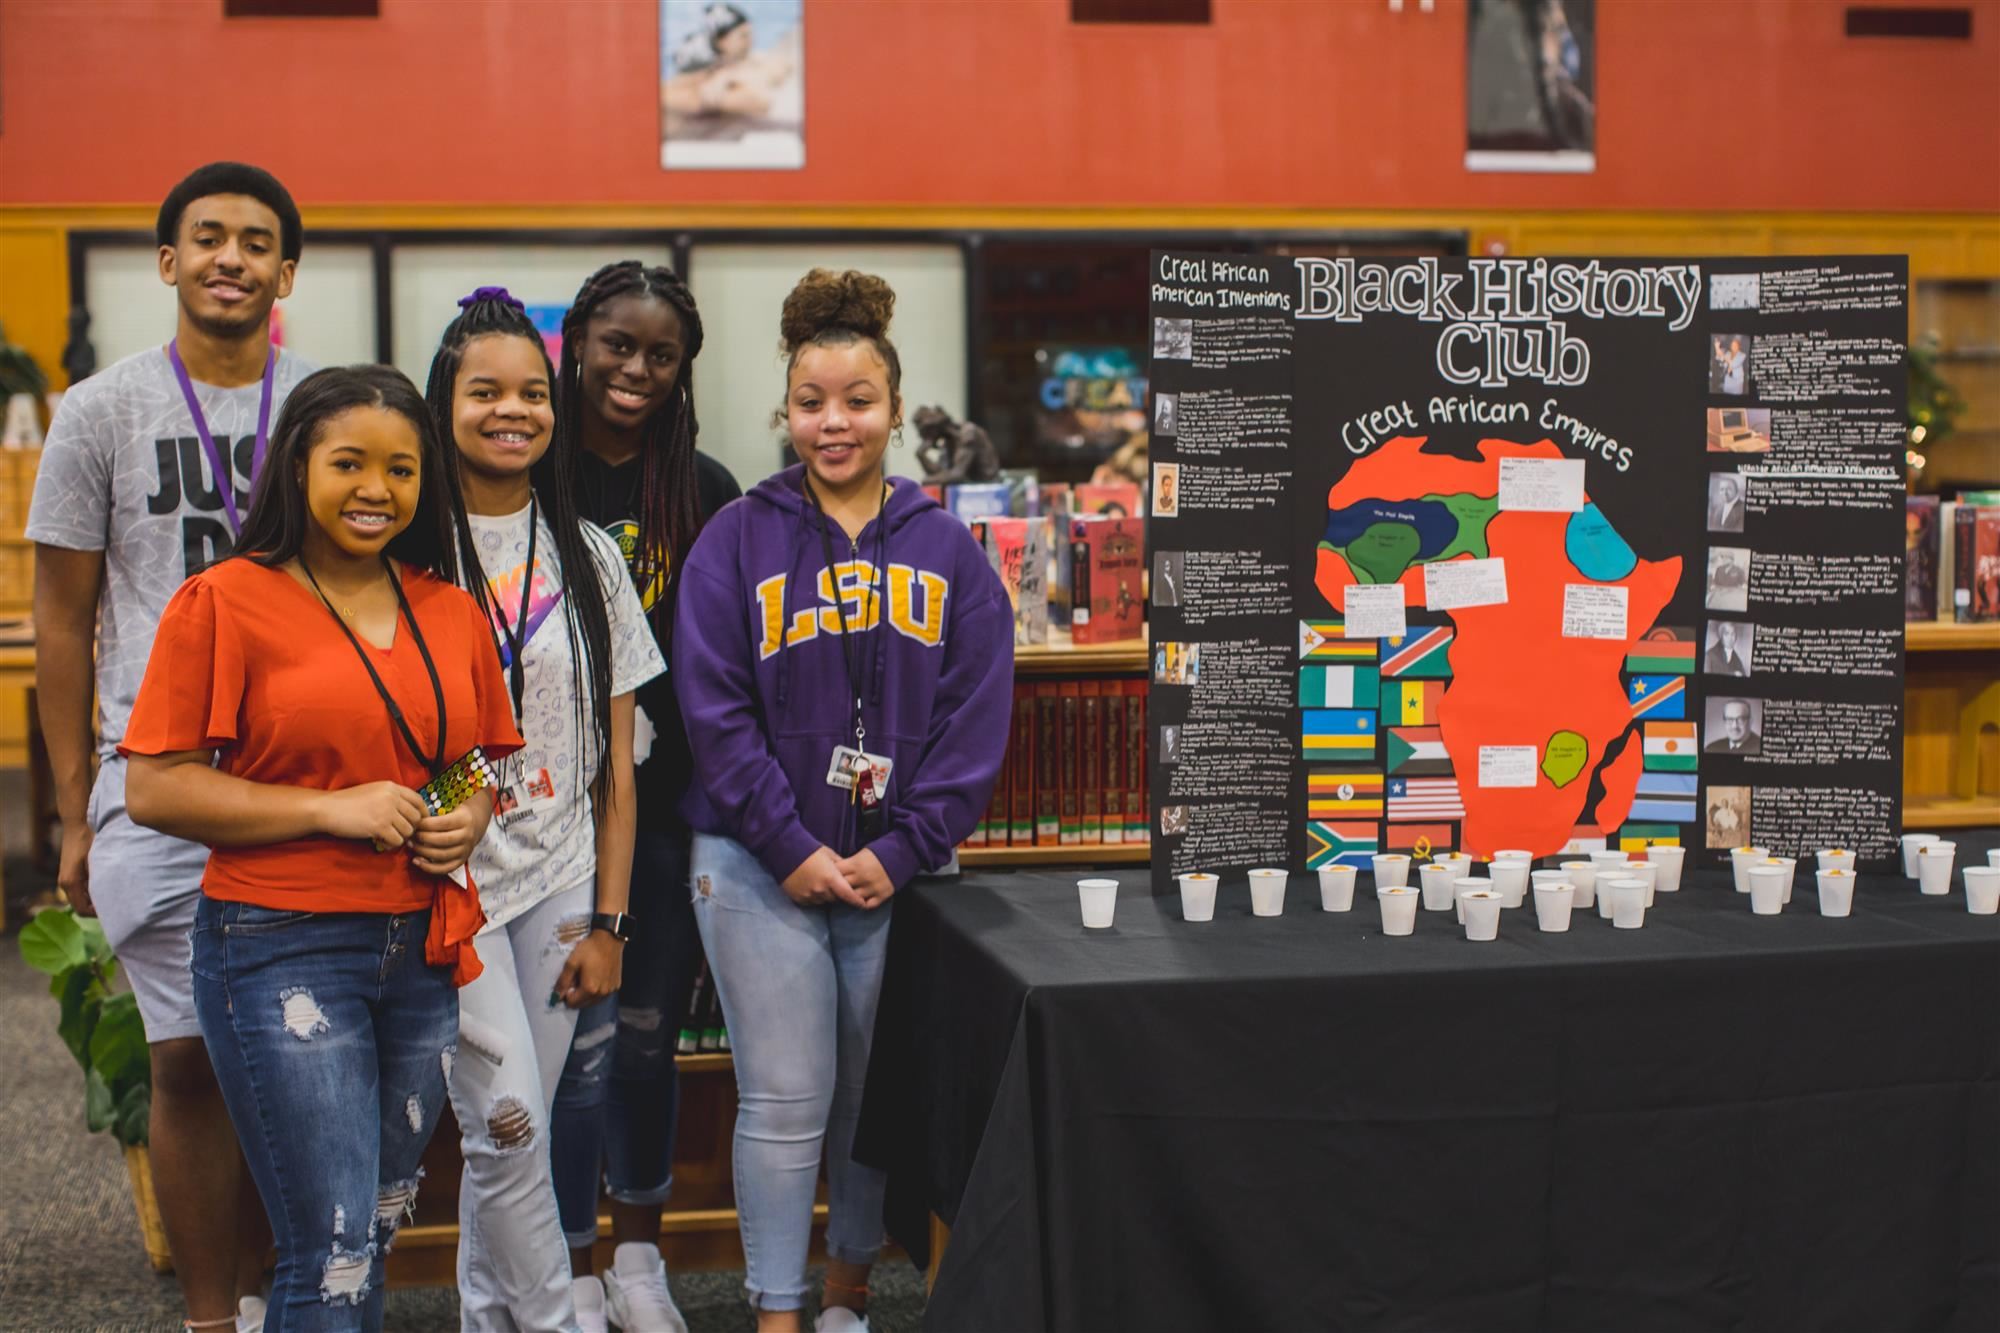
(951, 451)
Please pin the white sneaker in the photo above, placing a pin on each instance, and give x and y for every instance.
(586, 1294)
(635, 1291)
(250, 1315)
(840, 1319)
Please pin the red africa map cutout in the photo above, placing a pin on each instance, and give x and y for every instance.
(1515, 679)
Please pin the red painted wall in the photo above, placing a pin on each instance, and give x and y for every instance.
(1704, 104)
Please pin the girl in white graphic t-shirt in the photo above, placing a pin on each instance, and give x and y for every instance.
(554, 869)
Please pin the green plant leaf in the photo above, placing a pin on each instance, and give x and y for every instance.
(118, 1043)
(95, 946)
(53, 942)
(135, 1110)
(98, 1107)
(79, 1012)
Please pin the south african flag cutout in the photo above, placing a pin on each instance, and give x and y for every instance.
(1340, 845)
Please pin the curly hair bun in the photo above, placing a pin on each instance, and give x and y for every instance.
(825, 301)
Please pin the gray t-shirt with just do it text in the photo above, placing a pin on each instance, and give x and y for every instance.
(124, 472)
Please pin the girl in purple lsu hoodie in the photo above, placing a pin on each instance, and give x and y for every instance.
(843, 656)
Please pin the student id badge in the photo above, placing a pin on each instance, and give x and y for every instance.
(866, 775)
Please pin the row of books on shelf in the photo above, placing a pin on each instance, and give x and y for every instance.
(1952, 565)
(1075, 771)
(702, 1031)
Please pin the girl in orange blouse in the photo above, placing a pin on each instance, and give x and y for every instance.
(297, 698)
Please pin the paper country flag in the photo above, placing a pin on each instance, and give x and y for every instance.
(1419, 654)
(1343, 793)
(1332, 732)
(1672, 747)
(1665, 798)
(1638, 837)
(1424, 798)
(1341, 845)
(1664, 649)
(1322, 640)
(1411, 703)
(1421, 840)
(1417, 752)
(1338, 686)
(1583, 840)
(1657, 696)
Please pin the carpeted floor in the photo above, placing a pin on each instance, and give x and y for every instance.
(70, 1252)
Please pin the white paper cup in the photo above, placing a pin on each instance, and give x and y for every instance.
(1628, 903)
(1470, 884)
(1790, 866)
(1670, 861)
(1934, 862)
(1767, 888)
(1336, 888)
(1583, 876)
(1198, 896)
(1515, 854)
(1100, 901)
(1549, 877)
(1604, 897)
(1836, 892)
(1482, 915)
(1837, 858)
(1392, 870)
(1646, 873)
(1399, 909)
(1912, 841)
(1982, 890)
(1993, 858)
(1552, 904)
(1437, 878)
(1740, 861)
(1510, 881)
(1607, 862)
(1267, 893)
(1460, 862)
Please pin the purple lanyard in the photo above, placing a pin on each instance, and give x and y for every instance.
(225, 480)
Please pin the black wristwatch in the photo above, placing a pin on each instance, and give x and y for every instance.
(618, 923)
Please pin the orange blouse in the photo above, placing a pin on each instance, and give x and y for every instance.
(248, 662)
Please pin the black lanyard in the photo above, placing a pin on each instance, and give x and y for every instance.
(847, 645)
(517, 635)
(433, 763)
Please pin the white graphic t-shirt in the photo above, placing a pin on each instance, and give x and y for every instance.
(543, 839)
(123, 472)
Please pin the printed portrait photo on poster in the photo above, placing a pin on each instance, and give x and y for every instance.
(1173, 339)
(1725, 501)
(1729, 363)
(1727, 818)
(1728, 578)
(1734, 726)
(1166, 413)
(732, 85)
(1728, 648)
(1167, 573)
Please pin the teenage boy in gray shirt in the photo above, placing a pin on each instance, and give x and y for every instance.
(128, 503)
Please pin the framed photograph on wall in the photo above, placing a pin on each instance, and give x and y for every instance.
(732, 85)
(1531, 85)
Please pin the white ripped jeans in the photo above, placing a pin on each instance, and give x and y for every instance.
(513, 1265)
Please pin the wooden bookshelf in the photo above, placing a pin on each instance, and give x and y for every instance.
(1061, 657)
(1079, 854)
(1945, 636)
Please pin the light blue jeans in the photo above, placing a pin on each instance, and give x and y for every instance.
(799, 987)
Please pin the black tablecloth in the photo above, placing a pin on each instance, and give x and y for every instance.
(1719, 1121)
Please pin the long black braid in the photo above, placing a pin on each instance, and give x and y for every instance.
(554, 480)
(670, 514)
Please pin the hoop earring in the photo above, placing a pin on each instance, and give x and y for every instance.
(897, 438)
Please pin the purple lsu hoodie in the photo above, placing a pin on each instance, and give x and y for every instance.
(759, 673)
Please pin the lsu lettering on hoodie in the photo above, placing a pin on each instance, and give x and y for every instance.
(759, 672)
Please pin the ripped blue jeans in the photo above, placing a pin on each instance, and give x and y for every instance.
(331, 1039)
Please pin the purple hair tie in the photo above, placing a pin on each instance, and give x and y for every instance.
(490, 294)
